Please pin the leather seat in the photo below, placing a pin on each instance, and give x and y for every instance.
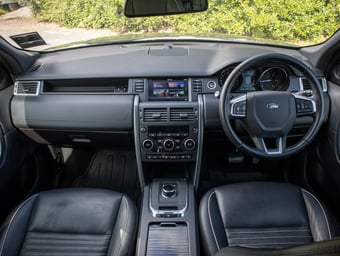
(71, 222)
(262, 215)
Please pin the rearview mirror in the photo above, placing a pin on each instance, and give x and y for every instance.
(140, 8)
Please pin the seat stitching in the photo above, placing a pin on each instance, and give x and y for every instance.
(276, 231)
(209, 214)
(267, 237)
(12, 219)
(271, 243)
(322, 209)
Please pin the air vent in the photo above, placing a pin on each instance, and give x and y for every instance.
(27, 88)
(197, 85)
(306, 85)
(139, 86)
(182, 114)
(155, 115)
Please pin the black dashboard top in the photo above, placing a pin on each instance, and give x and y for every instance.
(173, 59)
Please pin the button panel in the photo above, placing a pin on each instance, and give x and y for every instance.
(304, 106)
(167, 143)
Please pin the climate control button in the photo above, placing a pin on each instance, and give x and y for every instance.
(168, 144)
(189, 144)
(147, 144)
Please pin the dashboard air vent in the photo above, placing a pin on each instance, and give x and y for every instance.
(182, 114)
(27, 88)
(155, 115)
(139, 86)
(197, 85)
(306, 85)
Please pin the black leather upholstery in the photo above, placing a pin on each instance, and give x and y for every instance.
(261, 215)
(72, 222)
(324, 248)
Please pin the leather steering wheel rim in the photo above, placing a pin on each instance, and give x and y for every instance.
(225, 108)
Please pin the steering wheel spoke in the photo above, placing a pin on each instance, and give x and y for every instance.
(276, 149)
(238, 107)
(304, 105)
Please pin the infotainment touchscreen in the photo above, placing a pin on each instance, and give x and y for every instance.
(169, 89)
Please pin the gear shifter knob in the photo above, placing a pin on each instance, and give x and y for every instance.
(169, 190)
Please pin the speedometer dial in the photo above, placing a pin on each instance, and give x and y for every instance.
(273, 79)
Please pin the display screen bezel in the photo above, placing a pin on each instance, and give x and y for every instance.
(171, 97)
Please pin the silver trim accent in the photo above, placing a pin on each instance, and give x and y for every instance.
(34, 136)
(17, 83)
(275, 151)
(199, 142)
(137, 143)
(235, 101)
(180, 212)
(323, 83)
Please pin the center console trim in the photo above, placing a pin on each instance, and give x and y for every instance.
(180, 213)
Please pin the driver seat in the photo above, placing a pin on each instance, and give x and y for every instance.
(262, 215)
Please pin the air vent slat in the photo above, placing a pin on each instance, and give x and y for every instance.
(27, 88)
(197, 86)
(139, 86)
(306, 85)
(182, 114)
(155, 115)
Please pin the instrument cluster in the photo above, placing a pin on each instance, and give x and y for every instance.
(264, 78)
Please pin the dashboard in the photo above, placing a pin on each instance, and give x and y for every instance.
(158, 97)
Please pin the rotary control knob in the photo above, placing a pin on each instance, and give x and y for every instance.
(168, 144)
(147, 144)
(189, 144)
(169, 190)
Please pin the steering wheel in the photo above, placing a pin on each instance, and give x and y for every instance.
(270, 115)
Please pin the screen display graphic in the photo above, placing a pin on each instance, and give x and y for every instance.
(168, 90)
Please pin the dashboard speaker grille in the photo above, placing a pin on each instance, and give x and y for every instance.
(27, 88)
(155, 115)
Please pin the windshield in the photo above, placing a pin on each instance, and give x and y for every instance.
(64, 23)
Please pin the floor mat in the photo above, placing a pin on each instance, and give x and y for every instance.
(112, 170)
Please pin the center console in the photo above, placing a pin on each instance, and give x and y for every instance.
(168, 224)
(168, 129)
(168, 132)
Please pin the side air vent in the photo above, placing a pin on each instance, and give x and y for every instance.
(155, 115)
(306, 85)
(27, 88)
(182, 114)
(197, 85)
(139, 86)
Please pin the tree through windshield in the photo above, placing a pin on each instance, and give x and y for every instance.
(299, 23)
